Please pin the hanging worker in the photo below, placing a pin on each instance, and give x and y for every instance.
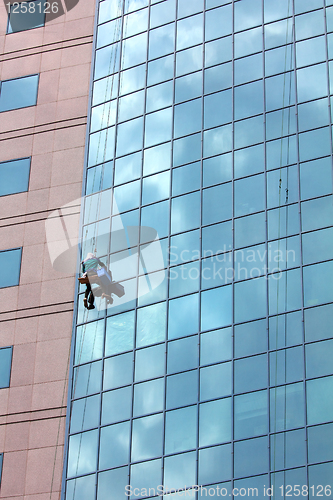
(91, 275)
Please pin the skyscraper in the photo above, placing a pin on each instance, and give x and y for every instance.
(207, 192)
(209, 123)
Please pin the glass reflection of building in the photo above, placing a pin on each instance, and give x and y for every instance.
(211, 123)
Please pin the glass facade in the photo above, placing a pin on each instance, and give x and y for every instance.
(211, 143)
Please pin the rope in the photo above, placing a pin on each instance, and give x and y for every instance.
(85, 315)
(279, 242)
(96, 228)
(114, 51)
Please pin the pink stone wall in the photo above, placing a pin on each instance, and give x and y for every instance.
(36, 316)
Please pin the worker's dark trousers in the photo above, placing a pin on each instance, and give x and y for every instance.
(88, 294)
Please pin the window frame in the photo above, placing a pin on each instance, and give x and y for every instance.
(10, 161)
(9, 13)
(20, 78)
(10, 374)
(19, 274)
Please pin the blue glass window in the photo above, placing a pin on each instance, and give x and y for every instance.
(251, 373)
(161, 41)
(285, 292)
(162, 13)
(248, 100)
(250, 300)
(114, 445)
(160, 70)
(319, 358)
(151, 324)
(249, 195)
(85, 414)
(215, 346)
(285, 330)
(181, 430)
(180, 470)
(189, 31)
(14, 176)
(217, 204)
(10, 264)
(188, 60)
(216, 239)
(111, 484)
(216, 308)
(251, 415)
(287, 407)
(319, 400)
(129, 136)
(116, 405)
(248, 132)
(159, 96)
(215, 381)
(319, 315)
(18, 93)
(317, 284)
(288, 449)
(148, 397)
(188, 87)
(215, 464)
(82, 453)
(218, 51)
(187, 149)
(118, 371)
(218, 109)
(320, 443)
(250, 230)
(286, 366)
(215, 422)
(145, 475)
(250, 338)
(248, 68)
(183, 316)
(186, 179)
(248, 42)
(278, 33)
(158, 127)
(182, 389)
(185, 213)
(157, 159)
(187, 117)
(218, 22)
(87, 379)
(6, 354)
(183, 355)
(22, 17)
(218, 78)
(247, 14)
(315, 178)
(149, 363)
(147, 437)
(251, 457)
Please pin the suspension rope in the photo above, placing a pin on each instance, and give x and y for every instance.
(286, 243)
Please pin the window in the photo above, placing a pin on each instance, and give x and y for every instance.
(5, 369)
(26, 15)
(1, 461)
(10, 265)
(18, 93)
(14, 176)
